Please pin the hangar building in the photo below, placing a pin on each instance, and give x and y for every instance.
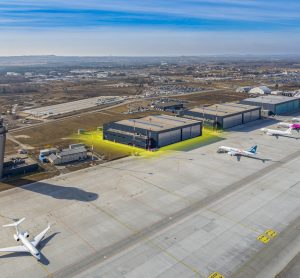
(226, 115)
(275, 104)
(152, 132)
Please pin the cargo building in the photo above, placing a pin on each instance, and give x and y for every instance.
(225, 115)
(275, 104)
(152, 132)
(68, 155)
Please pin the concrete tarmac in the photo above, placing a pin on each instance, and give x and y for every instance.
(184, 214)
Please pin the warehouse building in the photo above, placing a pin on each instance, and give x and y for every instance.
(152, 132)
(22, 165)
(275, 104)
(68, 155)
(225, 115)
(171, 106)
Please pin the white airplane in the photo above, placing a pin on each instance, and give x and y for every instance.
(276, 133)
(28, 246)
(296, 120)
(238, 152)
(283, 124)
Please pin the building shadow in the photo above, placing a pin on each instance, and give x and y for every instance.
(58, 191)
(262, 123)
(41, 245)
(197, 145)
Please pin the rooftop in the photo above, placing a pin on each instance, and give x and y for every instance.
(71, 151)
(224, 109)
(272, 99)
(158, 122)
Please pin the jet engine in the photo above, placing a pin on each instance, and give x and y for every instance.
(16, 237)
(26, 234)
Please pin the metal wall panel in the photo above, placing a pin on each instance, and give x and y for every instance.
(186, 133)
(168, 138)
(251, 116)
(195, 131)
(255, 115)
(232, 121)
(247, 117)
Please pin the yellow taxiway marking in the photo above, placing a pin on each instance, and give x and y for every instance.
(215, 275)
(270, 233)
(263, 238)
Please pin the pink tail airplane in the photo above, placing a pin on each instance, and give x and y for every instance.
(291, 126)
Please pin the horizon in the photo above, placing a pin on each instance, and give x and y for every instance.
(158, 28)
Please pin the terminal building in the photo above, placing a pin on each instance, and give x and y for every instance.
(152, 132)
(225, 115)
(275, 104)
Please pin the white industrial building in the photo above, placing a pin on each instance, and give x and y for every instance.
(244, 89)
(261, 90)
(68, 155)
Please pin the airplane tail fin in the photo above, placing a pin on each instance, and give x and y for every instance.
(253, 149)
(15, 224)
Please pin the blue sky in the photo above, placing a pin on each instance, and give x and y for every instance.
(70, 27)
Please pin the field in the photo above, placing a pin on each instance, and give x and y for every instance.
(209, 98)
(60, 133)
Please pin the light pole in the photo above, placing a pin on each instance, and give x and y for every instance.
(216, 119)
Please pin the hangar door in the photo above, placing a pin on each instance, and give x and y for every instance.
(186, 133)
(251, 116)
(195, 131)
(232, 121)
(169, 137)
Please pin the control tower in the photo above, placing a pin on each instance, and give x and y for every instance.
(3, 132)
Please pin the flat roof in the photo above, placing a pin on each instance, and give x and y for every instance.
(271, 99)
(167, 104)
(225, 109)
(158, 122)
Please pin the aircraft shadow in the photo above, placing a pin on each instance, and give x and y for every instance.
(42, 244)
(59, 191)
(263, 160)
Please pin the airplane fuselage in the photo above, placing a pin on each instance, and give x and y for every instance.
(276, 132)
(31, 249)
(234, 151)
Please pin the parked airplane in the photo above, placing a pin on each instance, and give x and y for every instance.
(238, 152)
(28, 246)
(288, 125)
(276, 133)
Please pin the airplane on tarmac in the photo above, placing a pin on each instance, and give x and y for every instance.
(288, 125)
(28, 246)
(277, 133)
(238, 152)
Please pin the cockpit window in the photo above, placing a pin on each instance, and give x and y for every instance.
(37, 254)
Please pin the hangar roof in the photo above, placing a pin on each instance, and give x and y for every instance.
(158, 122)
(225, 109)
(271, 99)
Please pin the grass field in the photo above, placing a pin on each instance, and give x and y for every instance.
(61, 133)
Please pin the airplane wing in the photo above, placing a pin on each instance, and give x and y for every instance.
(232, 153)
(39, 237)
(18, 248)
